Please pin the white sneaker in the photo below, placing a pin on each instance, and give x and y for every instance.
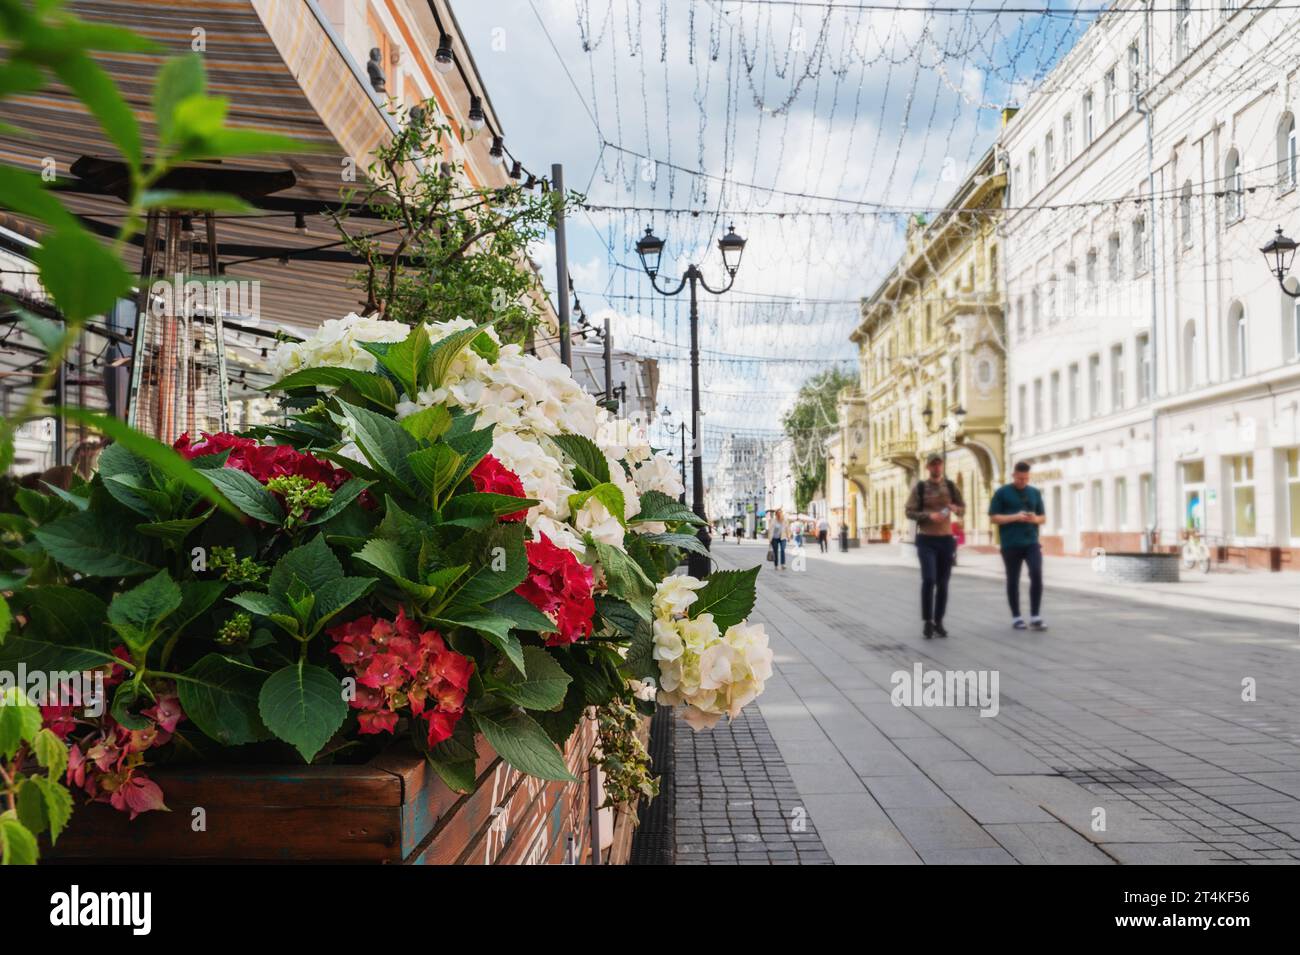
(1018, 623)
(1036, 623)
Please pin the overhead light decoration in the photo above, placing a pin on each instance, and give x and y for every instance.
(444, 61)
(477, 120)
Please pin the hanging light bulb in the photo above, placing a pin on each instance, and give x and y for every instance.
(516, 170)
(444, 61)
(476, 118)
(300, 223)
(498, 150)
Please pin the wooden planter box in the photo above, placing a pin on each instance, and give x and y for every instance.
(392, 810)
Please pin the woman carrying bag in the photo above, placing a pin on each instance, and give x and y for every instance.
(776, 534)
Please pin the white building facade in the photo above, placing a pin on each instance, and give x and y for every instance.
(735, 490)
(1155, 362)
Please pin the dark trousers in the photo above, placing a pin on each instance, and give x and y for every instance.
(778, 551)
(821, 540)
(936, 554)
(1032, 557)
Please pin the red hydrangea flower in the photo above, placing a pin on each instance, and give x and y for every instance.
(398, 666)
(493, 477)
(262, 461)
(559, 585)
(106, 760)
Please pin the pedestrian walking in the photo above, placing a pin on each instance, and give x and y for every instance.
(823, 534)
(932, 504)
(796, 531)
(1017, 509)
(776, 535)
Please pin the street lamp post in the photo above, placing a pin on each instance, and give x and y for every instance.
(958, 412)
(1278, 254)
(650, 247)
(674, 431)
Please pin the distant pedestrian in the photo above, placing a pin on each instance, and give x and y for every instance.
(776, 535)
(932, 504)
(823, 534)
(796, 531)
(1017, 509)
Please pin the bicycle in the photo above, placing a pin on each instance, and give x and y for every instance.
(1196, 553)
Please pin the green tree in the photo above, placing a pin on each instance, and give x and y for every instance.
(459, 252)
(808, 424)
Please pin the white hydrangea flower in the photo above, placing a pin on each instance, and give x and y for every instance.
(675, 594)
(594, 518)
(713, 673)
(337, 344)
(657, 473)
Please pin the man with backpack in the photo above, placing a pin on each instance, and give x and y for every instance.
(932, 504)
(1017, 509)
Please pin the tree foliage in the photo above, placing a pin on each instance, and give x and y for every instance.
(460, 251)
(808, 423)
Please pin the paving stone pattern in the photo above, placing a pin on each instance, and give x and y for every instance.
(735, 801)
(1124, 707)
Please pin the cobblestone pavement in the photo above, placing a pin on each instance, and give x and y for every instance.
(1121, 734)
(735, 800)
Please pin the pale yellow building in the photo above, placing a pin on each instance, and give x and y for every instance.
(932, 364)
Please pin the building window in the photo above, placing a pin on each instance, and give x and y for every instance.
(1023, 404)
(1056, 399)
(1185, 214)
(1098, 506)
(1146, 386)
(1113, 268)
(1189, 355)
(1134, 71)
(1234, 200)
(1094, 385)
(1293, 491)
(1057, 510)
(1295, 326)
(1121, 504)
(1139, 245)
(1067, 138)
(1018, 184)
(1090, 273)
(1116, 377)
(1020, 317)
(1110, 96)
(1146, 499)
(1033, 172)
(1038, 405)
(1074, 393)
(1286, 152)
(1052, 310)
(1071, 290)
(993, 267)
(1183, 28)
(1089, 128)
(1049, 157)
(1242, 469)
(1238, 342)
(1035, 310)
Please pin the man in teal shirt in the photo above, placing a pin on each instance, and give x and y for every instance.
(1017, 509)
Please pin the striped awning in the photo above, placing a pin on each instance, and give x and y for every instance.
(281, 73)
